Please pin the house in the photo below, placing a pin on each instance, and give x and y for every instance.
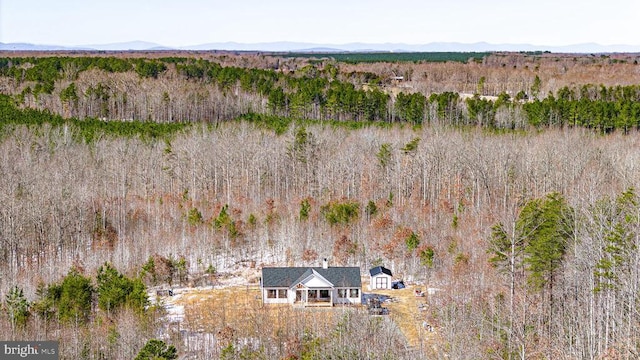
(311, 286)
(380, 278)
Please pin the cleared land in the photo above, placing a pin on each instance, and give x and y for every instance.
(240, 308)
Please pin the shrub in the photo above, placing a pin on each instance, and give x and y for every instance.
(340, 213)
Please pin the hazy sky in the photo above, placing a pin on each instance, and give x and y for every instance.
(191, 22)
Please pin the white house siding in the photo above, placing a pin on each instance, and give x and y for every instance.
(277, 300)
(291, 296)
(347, 300)
(316, 282)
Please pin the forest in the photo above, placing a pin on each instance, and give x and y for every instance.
(390, 57)
(509, 183)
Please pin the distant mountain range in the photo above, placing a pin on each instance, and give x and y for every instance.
(285, 46)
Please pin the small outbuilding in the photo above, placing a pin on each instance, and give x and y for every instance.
(380, 278)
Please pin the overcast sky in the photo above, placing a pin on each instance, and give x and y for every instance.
(191, 22)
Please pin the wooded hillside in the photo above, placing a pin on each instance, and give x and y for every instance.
(150, 171)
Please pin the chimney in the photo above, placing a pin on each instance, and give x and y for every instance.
(325, 263)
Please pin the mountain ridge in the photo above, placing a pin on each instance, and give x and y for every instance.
(289, 46)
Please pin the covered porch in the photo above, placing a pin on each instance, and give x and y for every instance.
(313, 297)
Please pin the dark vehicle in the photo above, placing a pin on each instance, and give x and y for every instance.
(374, 305)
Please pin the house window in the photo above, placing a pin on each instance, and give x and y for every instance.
(282, 293)
(324, 294)
(271, 294)
(313, 294)
(354, 293)
(342, 293)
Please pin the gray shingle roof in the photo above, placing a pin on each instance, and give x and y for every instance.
(378, 270)
(287, 276)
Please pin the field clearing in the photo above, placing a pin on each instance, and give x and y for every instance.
(240, 308)
(211, 309)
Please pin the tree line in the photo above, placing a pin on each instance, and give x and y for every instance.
(87, 130)
(391, 57)
(83, 314)
(316, 92)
